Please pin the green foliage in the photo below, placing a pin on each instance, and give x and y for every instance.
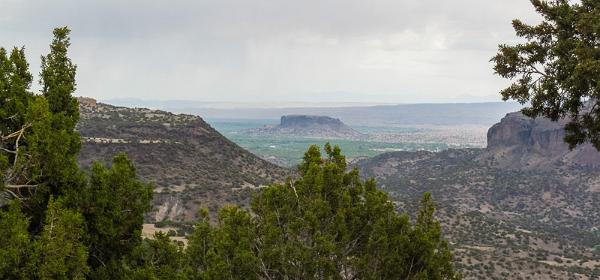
(49, 163)
(428, 245)
(226, 251)
(157, 258)
(558, 66)
(69, 227)
(39, 142)
(61, 249)
(3, 168)
(15, 81)
(113, 206)
(329, 224)
(58, 84)
(58, 78)
(17, 250)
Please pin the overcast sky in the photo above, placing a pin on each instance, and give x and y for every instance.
(373, 51)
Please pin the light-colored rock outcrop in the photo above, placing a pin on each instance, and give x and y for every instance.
(520, 142)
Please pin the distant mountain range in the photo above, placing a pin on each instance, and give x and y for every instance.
(486, 113)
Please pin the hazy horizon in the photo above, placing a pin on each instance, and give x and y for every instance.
(275, 52)
(227, 105)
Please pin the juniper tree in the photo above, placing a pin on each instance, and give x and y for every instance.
(328, 224)
(15, 81)
(17, 253)
(58, 78)
(156, 258)
(91, 226)
(62, 252)
(557, 67)
(114, 204)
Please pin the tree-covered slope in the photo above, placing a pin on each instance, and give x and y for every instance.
(190, 164)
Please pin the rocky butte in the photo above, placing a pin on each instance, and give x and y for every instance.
(520, 142)
(309, 126)
(526, 201)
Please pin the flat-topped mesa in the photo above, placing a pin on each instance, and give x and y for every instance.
(310, 127)
(520, 142)
(306, 120)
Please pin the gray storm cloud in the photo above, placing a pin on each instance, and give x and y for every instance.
(260, 51)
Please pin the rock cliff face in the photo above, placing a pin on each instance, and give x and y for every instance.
(521, 142)
(523, 192)
(310, 126)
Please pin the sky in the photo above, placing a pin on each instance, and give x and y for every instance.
(268, 51)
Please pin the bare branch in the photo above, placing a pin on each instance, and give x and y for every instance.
(17, 143)
(16, 133)
(14, 194)
(12, 117)
(7, 150)
(21, 186)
